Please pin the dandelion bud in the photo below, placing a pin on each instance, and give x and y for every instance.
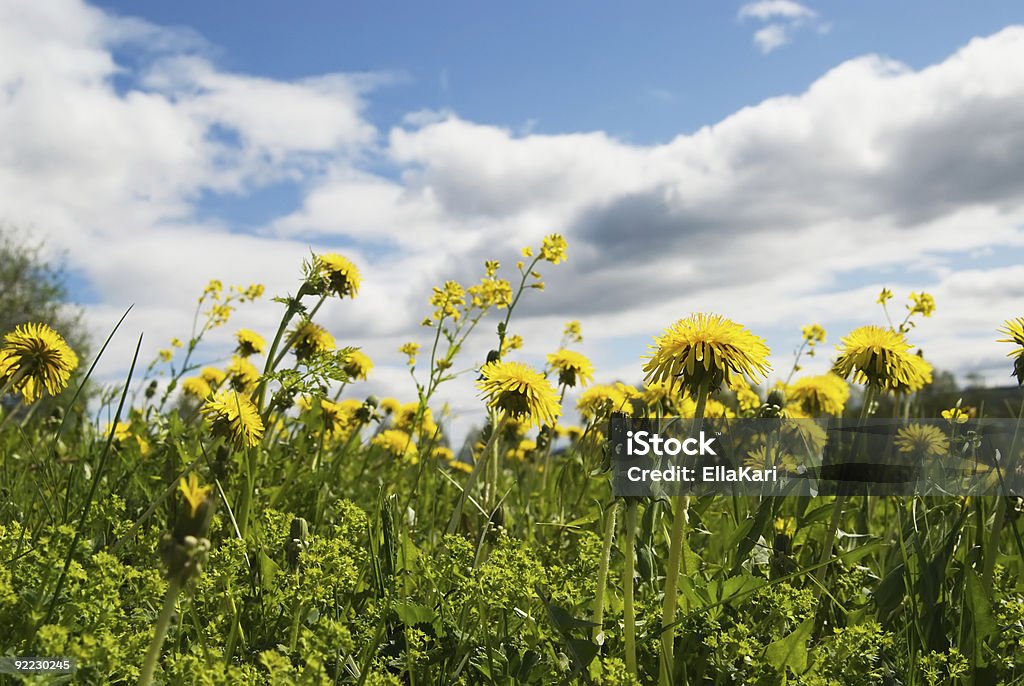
(298, 538)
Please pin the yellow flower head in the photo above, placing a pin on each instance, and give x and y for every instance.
(880, 358)
(553, 249)
(249, 343)
(405, 419)
(461, 466)
(921, 440)
(123, 433)
(1014, 328)
(195, 495)
(35, 358)
(955, 415)
(923, 304)
(704, 350)
(519, 392)
(491, 267)
(573, 332)
(234, 416)
(342, 276)
(884, 297)
(527, 252)
(389, 405)
(410, 350)
(311, 339)
(825, 394)
(813, 333)
(445, 453)
(572, 367)
(196, 387)
(398, 443)
(513, 342)
(747, 399)
(242, 375)
(448, 300)
(492, 292)
(357, 365)
(212, 376)
(338, 418)
(596, 401)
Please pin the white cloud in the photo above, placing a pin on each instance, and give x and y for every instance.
(772, 9)
(771, 37)
(786, 18)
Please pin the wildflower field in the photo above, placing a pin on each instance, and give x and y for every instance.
(264, 522)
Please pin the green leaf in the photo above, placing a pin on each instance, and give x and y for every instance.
(791, 651)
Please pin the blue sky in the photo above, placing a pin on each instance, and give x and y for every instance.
(646, 72)
(775, 161)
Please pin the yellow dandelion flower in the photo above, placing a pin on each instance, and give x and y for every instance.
(572, 367)
(785, 526)
(703, 350)
(311, 339)
(955, 415)
(249, 343)
(573, 432)
(599, 400)
(1014, 329)
(405, 418)
(212, 376)
(196, 387)
(461, 466)
(443, 452)
(357, 365)
(242, 375)
(715, 409)
(758, 459)
(195, 495)
(825, 394)
(35, 358)
(396, 442)
(390, 405)
(747, 399)
(922, 440)
(234, 416)
(338, 418)
(341, 275)
(123, 434)
(553, 248)
(519, 392)
(879, 357)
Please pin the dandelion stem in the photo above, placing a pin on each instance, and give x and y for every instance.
(680, 514)
(474, 476)
(163, 622)
(628, 612)
(602, 571)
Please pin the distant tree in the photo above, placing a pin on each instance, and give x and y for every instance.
(34, 289)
